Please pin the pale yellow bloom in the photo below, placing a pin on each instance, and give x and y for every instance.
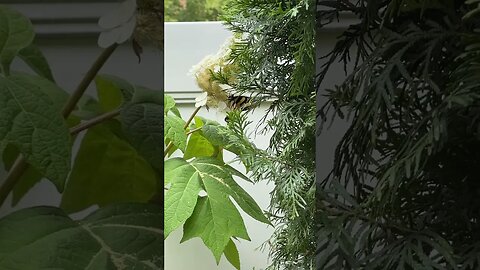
(217, 94)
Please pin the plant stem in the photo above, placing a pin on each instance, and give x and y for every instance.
(21, 165)
(170, 145)
(87, 79)
(193, 130)
(14, 174)
(94, 121)
(191, 117)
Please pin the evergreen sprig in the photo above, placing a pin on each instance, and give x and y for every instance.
(403, 192)
(274, 56)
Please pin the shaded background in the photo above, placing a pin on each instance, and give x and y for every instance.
(67, 34)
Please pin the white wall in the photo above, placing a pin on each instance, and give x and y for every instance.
(185, 45)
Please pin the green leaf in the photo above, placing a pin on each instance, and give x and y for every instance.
(16, 33)
(174, 131)
(181, 199)
(169, 103)
(124, 236)
(198, 122)
(107, 169)
(215, 222)
(109, 94)
(121, 85)
(223, 137)
(231, 253)
(147, 95)
(198, 146)
(215, 218)
(169, 166)
(31, 122)
(31, 176)
(35, 59)
(56, 94)
(170, 106)
(88, 108)
(142, 124)
(172, 150)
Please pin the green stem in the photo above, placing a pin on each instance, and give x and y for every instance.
(87, 79)
(170, 145)
(194, 130)
(20, 166)
(93, 122)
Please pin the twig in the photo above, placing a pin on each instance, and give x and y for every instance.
(94, 121)
(194, 130)
(21, 165)
(87, 79)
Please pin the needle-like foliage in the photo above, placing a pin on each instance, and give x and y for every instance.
(274, 56)
(404, 189)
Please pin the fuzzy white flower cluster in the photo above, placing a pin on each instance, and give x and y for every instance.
(215, 94)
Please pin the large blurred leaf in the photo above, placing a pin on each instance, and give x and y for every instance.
(142, 122)
(118, 84)
(87, 108)
(16, 33)
(124, 236)
(31, 122)
(56, 94)
(143, 94)
(214, 218)
(109, 94)
(143, 126)
(31, 175)
(35, 59)
(29, 178)
(107, 169)
(109, 86)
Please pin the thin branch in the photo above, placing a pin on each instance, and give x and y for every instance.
(194, 130)
(191, 117)
(87, 79)
(94, 121)
(20, 166)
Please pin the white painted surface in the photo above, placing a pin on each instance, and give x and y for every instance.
(186, 44)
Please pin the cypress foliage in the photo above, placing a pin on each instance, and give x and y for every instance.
(274, 58)
(404, 189)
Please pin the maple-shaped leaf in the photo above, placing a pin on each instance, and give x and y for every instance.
(214, 218)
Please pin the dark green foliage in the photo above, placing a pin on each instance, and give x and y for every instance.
(39, 123)
(403, 193)
(194, 10)
(274, 58)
